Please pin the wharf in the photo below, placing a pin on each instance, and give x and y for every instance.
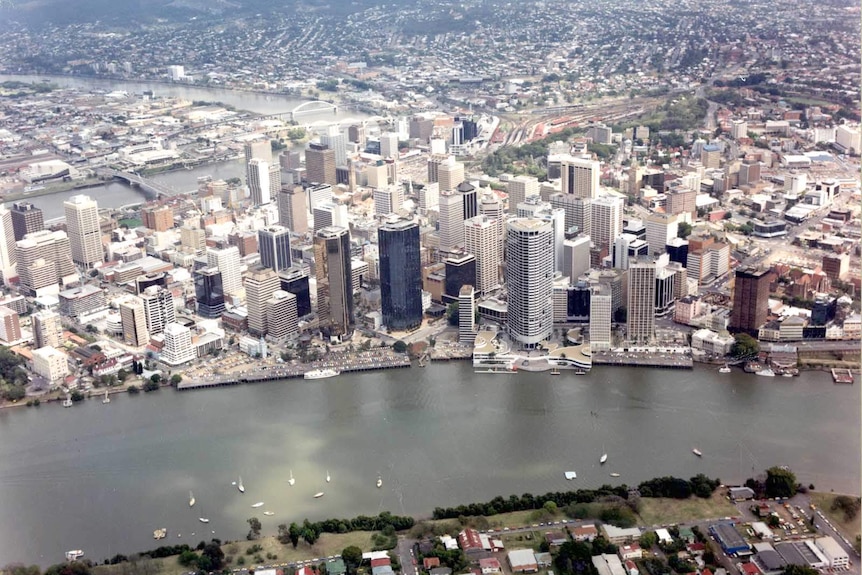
(290, 372)
(641, 359)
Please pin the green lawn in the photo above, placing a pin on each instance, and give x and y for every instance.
(659, 511)
(528, 540)
(823, 501)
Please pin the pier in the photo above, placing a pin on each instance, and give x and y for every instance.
(842, 376)
(635, 359)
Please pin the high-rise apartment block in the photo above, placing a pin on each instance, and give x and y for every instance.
(529, 280)
(47, 329)
(134, 321)
(159, 308)
(580, 177)
(606, 220)
(45, 261)
(320, 164)
(260, 284)
(481, 238)
(601, 316)
(640, 328)
(85, 234)
(158, 218)
(178, 348)
(520, 188)
(466, 315)
(282, 320)
(400, 275)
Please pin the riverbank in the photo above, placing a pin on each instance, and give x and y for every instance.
(51, 189)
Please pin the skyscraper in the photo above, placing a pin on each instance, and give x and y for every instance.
(85, 235)
(449, 174)
(660, 230)
(400, 274)
(451, 221)
(529, 280)
(460, 271)
(335, 141)
(260, 149)
(209, 292)
(468, 194)
(178, 348)
(330, 214)
(295, 280)
(158, 308)
(467, 315)
(227, 261)
(44, 261)
(520, 188)
(578, 211)
(158, 218)
(580, 177)
(320, 164)
(576, 257)
(134, 321)
(640, 328)
(260, 181)
(606, 220)
(482, 240)
(750, 300)
(26, 219)
(274, 247)
(601, 314)
(8, 257)
(334, 281)
(260, 284)
(47, 329)
(282, 321)
(293, 209)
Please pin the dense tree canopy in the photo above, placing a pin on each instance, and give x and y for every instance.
(780, 482)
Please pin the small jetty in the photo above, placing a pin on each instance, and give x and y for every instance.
(844, 376)
(160, 533)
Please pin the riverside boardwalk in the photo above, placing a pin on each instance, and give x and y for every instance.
(643, 359)
(373, 361)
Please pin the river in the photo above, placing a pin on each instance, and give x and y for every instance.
(115, 194)
(102, 477)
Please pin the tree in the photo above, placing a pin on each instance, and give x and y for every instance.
(156, 378)
(352, 557)
(294, 533)
(849, 505)
(176, 379)
(151, 386)
(744, 346)
(213, 552)
(188, 557)
(254, 531)
(647, 540)
(799, 570)
(452, 313)
(683, 230)
(780, 482)
(134, 390)
(399, 346)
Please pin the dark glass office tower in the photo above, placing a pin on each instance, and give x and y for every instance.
(273, 243)
(400, 275)
(209, 293)
(295, 280)
(460, 272)
(334, 276)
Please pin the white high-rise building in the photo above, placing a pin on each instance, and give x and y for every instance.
(389, 145)
(388, 199)
(580, 177)
(51, 364)
(576, 257)
(467, 315)
(450, 173)
(85, 234)
(134, 321)
(530, 280)
(429, 197)
(260, 284)
(330, 214)
(660, 230)
(520, 188)
(159, 308)
(47, 329)
(259, 184)
(178, 348)
(337, 142)
(7, 245)
(319, 194)
(481, 238)
(601, 316)
(227, 261)
(640, 327)
(451, 222)
(606, 220)
(282, 321)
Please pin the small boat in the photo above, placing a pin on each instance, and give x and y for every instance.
(765, 372)
(191, 499)
(160, 533)
(786, 374)
(697, 452)
(67, 402)
(379, 482)
(107, 399)
(328, 478)
(318, 495)
(258, 504)
(724, 369)
(321, 373)
(570, 475)
(603, 458)
(74, 555)
(291, 481)
(615, 474)
(240, 486)
(203, 520)
(268, 513)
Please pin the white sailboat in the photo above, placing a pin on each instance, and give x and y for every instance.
(203, 520)
(603, 458)
(379, 482)
(268, 513)
(291, 481)
(328, 478)
(191, 499)
(615, 474)
(258, 504)
(240, 486)
(318, 495)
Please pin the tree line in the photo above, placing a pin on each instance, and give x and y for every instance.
(673, 487)
(310, 531)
